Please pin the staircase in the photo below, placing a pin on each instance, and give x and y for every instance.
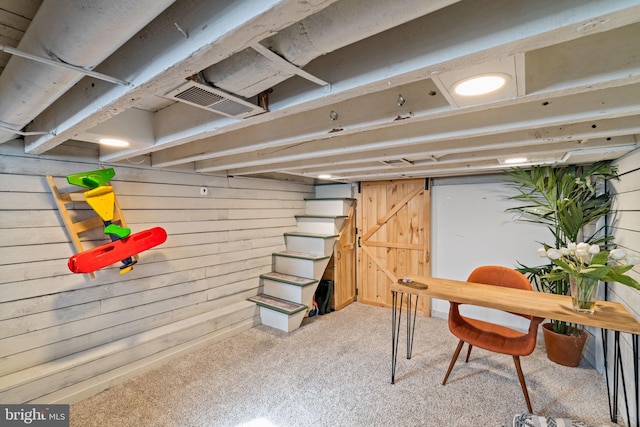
(289, 288)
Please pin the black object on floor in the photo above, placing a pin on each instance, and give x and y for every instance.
(323, 296)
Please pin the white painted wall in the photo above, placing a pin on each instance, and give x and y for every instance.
(470, 228)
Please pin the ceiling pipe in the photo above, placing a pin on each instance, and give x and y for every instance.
(21, 133)
(61, 64)
(343, 23)
(81, 33)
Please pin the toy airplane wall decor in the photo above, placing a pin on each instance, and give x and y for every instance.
(110, 253)
(124, 246)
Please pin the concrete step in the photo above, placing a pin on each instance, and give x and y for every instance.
(321, 244)
(320, 224)
(291, 288)
(300, 264)
(279, 313)
(333, 206)
(335, 190)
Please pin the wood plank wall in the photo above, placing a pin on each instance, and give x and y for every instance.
(64, 337)
(626, 229)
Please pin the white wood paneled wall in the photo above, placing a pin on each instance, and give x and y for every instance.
(63, 336)
(626, 229)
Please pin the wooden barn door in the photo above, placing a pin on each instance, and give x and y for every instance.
(394, 235)
(344, 255)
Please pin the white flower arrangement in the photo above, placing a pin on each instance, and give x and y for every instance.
(585, 260)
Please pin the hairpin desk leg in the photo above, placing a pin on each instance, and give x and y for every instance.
(605, 347)
(396, 314)
(634, 338)
(396, 320)
(620, 371)
(411, 326)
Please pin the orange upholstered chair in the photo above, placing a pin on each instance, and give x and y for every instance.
(492, 337)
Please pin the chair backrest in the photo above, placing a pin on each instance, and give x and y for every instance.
(497, 276)
(500, 276)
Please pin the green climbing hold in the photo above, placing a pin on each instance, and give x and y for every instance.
(116, 230)
(91, 179)
(90, 182)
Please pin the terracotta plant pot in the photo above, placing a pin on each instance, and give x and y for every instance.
(563, 349)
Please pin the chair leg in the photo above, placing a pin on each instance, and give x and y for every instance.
(453, 361)
(516, 360)
(468, 353)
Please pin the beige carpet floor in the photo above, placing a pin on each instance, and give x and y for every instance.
(335, 371)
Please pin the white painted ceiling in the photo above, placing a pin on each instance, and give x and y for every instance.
(359, 89)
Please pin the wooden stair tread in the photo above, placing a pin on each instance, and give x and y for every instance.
(302, 255)
(288, 278)
(277, 304)
(313, 235)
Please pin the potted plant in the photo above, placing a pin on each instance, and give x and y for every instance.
(585, 266)
(565, 200)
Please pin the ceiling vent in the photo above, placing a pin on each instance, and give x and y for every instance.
(214, 100)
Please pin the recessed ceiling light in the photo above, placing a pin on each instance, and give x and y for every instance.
(515, 160)
(480, 85)
(324, 176)
(113, 142)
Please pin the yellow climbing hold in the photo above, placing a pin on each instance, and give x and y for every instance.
(102, 201)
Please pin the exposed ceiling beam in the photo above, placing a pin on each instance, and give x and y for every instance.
(360, 89)
(160, 55)
(598, 105)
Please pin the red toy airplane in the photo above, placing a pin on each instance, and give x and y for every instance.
(110, 253)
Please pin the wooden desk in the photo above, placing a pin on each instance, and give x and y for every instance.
(608, 315)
